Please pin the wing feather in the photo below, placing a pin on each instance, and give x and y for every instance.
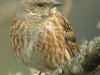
(69, 36)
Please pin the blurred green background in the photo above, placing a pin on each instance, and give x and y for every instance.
(83, 15)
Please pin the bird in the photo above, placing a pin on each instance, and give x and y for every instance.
(41, 37)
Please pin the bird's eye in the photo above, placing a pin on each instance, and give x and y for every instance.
(40, 4)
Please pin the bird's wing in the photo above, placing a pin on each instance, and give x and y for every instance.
(69, 36)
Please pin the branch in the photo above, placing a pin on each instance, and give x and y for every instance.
(83, 63)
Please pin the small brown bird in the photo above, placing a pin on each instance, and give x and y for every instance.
(41, 36)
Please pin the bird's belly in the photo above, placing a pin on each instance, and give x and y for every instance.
(44, 49)
(36, 57)
(45, 54)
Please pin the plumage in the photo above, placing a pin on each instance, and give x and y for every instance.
(42, 39)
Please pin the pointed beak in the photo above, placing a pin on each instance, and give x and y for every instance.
(55, 3)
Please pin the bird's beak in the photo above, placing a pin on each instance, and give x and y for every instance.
(55, 3)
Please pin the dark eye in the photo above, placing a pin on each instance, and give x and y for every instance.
(40, 4)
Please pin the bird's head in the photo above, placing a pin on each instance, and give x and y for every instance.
(27, 8)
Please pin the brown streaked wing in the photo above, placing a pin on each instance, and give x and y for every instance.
(70, 38)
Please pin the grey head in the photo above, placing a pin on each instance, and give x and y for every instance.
(27, 9)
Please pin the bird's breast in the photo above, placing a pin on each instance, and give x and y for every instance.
(39, 44)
